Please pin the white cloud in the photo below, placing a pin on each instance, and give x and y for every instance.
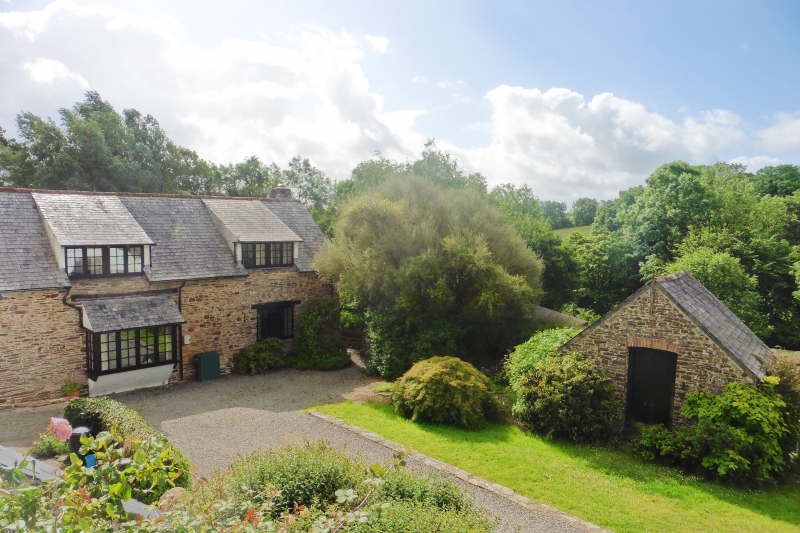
(784, 133)
(50, 71)
(379, 43)
(754, 164)
(307, 95)
(564, 147)
(304, 92)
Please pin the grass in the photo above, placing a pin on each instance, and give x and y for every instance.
(566, 232)
(608, 487)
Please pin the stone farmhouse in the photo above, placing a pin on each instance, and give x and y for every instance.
(670, 338)
(120, 291)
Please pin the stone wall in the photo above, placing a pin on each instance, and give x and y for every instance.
(219, 314)
(42, 344)
(652, 320)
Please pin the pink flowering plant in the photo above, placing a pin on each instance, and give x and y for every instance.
(60, 428)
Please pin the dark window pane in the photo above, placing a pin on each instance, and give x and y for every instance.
(116, 260)
(275, 254)
(135, 255)
(248, 255)
(127, 348)
(147, 346)
(90, 351)
(165, 344)
(108, 351)
(276, 322)
(288, 322)
(94, 261)
(75, 261)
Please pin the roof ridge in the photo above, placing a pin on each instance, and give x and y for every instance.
(140, 194)
(671, 277)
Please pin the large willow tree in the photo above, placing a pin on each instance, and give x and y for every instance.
(436, 271)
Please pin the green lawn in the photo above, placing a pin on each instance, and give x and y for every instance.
(608, 487)
(566, 232)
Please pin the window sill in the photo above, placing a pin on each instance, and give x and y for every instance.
(139, 378)
(94, 375)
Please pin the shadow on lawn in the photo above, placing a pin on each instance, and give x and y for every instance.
(781, 503)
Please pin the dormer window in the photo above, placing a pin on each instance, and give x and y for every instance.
(84, 261)
(267, 254)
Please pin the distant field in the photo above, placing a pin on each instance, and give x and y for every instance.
(566, 232)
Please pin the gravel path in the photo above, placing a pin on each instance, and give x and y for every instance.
(212, 422)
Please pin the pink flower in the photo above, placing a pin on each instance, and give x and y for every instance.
(61, 428)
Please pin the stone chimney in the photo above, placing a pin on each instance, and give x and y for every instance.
(282, 193)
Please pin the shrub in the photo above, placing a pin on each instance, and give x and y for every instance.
(545, 343)
(446, 390)
(788, 388)
(70, 387)
(48, 447)
(739, 436)
(259, 357)
(431, 491)
(414, 517)
(318, 345)
(309, 475)
(103, 414)
(566, 396)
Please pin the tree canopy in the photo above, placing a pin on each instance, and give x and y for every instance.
(436, 271)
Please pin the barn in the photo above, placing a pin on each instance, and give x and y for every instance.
(669, 338)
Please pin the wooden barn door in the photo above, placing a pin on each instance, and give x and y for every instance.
(651, 386)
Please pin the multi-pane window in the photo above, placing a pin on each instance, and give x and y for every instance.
(104, 260)
(130, 349)
(276, 321)
(266, 254)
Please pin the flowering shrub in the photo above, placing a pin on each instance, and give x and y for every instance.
(83, 496)
(103, 414)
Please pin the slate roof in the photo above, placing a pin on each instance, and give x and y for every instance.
(722, 326)
(85, 220)
(250, 221)
(299, 220)
(130, 313)
(719, 321)
(27, 260)
(188, 243)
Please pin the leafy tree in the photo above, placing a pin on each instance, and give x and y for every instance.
(523, 211)
(435, 271)
(584, 211)
(556, 212)
(311, 186)
(607, 272)
(95, 148)
(726, 278)
(612, 213)
(781, 180)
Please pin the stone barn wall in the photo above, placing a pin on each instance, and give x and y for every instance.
(42, 343)
(652, 320)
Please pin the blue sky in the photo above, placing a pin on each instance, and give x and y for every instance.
(572, 98)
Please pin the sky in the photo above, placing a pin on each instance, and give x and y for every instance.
(572, 98)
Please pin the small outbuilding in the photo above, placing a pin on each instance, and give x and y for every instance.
(669, 338)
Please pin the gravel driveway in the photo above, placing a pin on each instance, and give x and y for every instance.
(212, 422)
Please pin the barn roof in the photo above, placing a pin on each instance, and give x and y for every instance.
(718, 322)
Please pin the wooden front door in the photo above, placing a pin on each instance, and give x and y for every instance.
(651, 386)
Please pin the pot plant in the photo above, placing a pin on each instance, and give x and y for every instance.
(71, 389)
